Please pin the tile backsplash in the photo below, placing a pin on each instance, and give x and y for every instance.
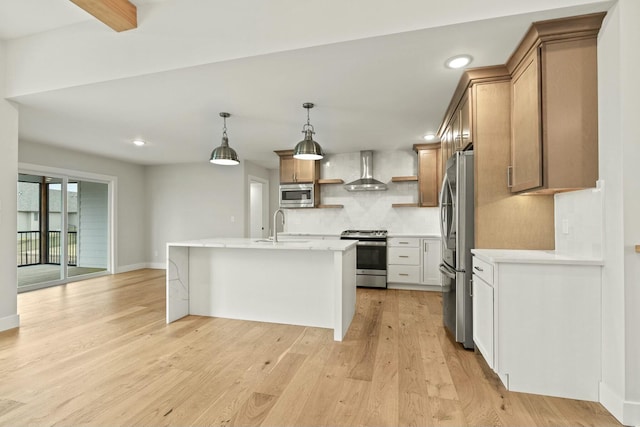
(579, 222)
(367, 209)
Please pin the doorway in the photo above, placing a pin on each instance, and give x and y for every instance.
(258, 207)
(63, 229)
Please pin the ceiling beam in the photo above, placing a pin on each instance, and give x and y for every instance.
(120, 15)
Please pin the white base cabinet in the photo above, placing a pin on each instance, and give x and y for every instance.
(431, 257)
(412, 263)
(537, 324)
(483, 329)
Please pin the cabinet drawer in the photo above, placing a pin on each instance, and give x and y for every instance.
(404, 242)
(403, 274)
(405, 256)
(483, 269)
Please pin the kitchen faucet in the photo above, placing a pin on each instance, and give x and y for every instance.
(275, 227)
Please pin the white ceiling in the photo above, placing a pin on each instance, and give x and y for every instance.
(378, 92)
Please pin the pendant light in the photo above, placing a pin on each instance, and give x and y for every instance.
(224, 155)
(308, 149)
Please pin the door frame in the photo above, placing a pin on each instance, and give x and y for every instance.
(66, 175)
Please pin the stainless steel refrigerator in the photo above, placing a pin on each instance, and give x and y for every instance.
(456, 225)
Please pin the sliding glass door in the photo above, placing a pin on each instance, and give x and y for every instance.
(88, 227)
(63, 229)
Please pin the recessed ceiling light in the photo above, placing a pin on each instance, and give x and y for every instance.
(139, 142)
(429, 137)
(458, 61)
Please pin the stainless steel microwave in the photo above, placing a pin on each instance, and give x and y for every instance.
(297, 195)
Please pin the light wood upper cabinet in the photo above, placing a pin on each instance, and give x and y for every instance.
(456, 134)
(526, 144)
(554, 116)
(429, 174)
(502, 219)
(466, 130)
(461, 129)
(297, 171)
(446, 145)
(457, 130)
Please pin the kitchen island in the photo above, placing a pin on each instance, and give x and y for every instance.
(297, 282)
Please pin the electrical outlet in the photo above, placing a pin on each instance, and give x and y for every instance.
(233, 218)
(565, 226)
(155, 254)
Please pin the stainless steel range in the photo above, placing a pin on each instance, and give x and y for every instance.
(371, 254)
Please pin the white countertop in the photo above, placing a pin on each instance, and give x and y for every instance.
(283, 243)
(524, 256)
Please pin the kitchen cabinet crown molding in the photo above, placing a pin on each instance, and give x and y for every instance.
(418, 147)
(470, 77)
(555, 29)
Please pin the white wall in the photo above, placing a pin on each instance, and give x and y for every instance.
(367, 209)
(131, 224)
(8, 205)
(193, 201)
(618, 62)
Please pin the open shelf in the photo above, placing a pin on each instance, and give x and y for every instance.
(329, 206)
(638, 248)
(404, 205)
(404, 178)
(330, 181)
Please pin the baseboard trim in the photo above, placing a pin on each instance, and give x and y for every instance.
(131, 267)
(631, 415)
(140, 266)
(625, 411)
(157, 265)
(9, 322)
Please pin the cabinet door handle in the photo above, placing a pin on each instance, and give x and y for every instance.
(509, 173)
(403, 256)
(471, 288)
(477, 268)
(426, 247)
(403, 243)
(403, 274)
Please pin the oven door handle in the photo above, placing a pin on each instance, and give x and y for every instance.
(365, 243)
(447, 271)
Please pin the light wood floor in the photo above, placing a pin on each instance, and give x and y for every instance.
(99, 352)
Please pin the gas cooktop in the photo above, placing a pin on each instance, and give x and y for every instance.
(365, 233)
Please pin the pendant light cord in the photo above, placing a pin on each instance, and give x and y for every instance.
(308, 126)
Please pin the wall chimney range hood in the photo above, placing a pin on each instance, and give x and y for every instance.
(366, 181)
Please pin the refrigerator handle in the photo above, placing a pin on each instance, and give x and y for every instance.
(444, 270)
(442, 207)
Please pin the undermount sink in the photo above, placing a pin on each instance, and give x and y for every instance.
(280, 241)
